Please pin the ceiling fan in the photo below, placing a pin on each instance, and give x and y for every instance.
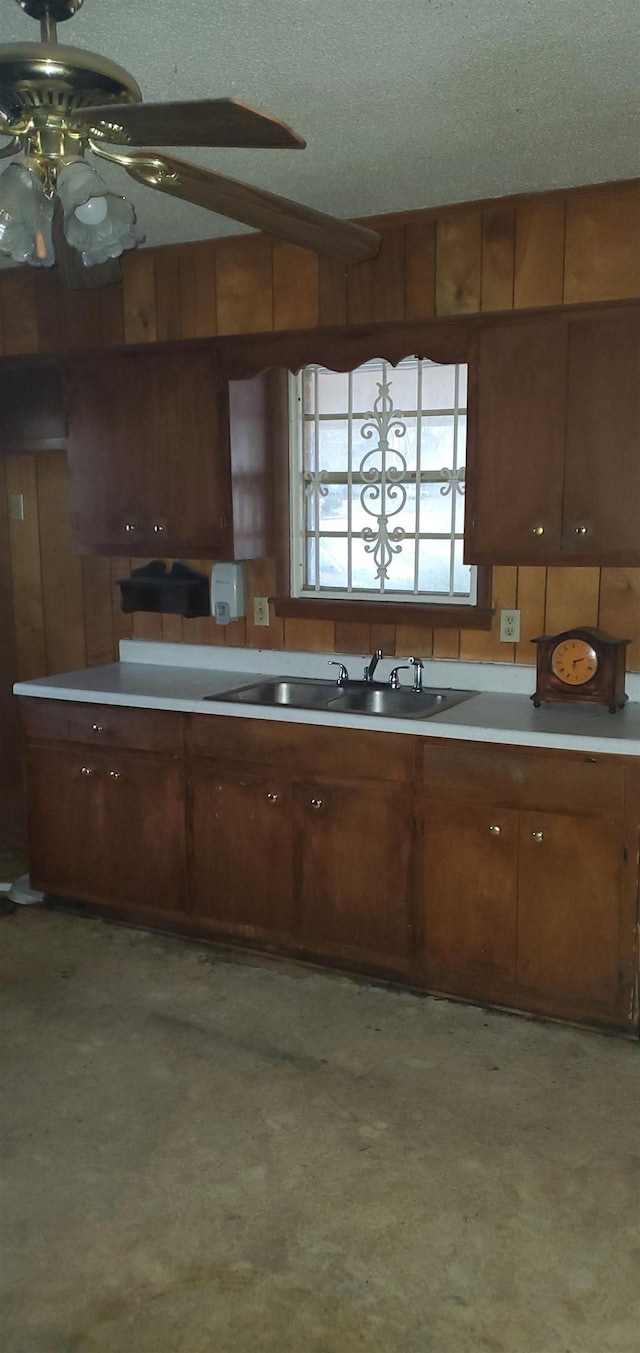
(57, 103)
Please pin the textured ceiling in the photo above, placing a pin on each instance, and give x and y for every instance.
(404, 104)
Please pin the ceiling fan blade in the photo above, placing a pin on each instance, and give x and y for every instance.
(255, 207)
(69, 265)
(207, 122)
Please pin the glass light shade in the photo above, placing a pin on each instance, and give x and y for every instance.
(26, 216)
(97, 222)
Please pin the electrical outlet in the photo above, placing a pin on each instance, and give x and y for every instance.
(510, 627)
(261, 610)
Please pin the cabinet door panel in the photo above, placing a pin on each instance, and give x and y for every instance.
(469, 893)
(516, 451)
(145, 826)
(242, 851)
(568, 908)
(602, 467)
(67, 840)
(353, 851)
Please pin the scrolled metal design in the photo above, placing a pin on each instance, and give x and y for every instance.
(453, 477)
(383, 483)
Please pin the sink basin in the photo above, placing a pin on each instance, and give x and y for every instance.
(357, 697)
(298, 694)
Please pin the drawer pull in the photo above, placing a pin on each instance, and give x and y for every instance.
(538, 836)
(317, 803)
(115, 775)
(538, 531)
(157, 528)
(87, 770)
(97, 728)
(495, 830)
(272, 798)
(130, 526)
(581, 530)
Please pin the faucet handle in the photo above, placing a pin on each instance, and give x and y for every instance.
(394, 680)
(343, 674)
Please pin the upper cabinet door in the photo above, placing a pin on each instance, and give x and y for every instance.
(516, 443)
(148, 447)
(602, 461)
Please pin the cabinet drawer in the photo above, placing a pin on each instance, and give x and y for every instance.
(147, 730)
(555, 782)
(303, 748)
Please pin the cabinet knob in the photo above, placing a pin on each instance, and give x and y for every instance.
(537, 531)
(130, 526)
(495, 830)
(272, 798)
(97, 728)
(157, 528)
(317, 803)
(87, 770)
(115, 775)
(538, 836)
(581, 530)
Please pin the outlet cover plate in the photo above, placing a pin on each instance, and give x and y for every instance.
(510, 627)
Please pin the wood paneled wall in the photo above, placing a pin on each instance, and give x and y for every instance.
(543, 250)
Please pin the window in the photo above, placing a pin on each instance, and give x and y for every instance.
(377, 477)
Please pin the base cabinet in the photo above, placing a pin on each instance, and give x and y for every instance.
(499, 875)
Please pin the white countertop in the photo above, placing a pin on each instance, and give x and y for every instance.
(178, 677)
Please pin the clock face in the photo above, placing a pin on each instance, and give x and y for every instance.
(574, 662)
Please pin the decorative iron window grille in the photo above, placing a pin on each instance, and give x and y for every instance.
(377, 483)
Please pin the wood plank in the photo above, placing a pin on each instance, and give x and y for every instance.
(198, 289)
(619, 611)
(572, 598)
(531, 602)
(375, 288)
(147, 625)
(384, 637)
(235, 634)
(352, 638)
(414, 641)
(62, 595)
(99, 634)
(486, 645)
(602, 257)
(50, 337)
(244, 285)
(446, 643)
(168, 294)
(139, 296)
(80, 318)
(111, 301)
(309, 636)
(19, 311)
(11, 789)
(172, 629)
(296, 287)
(420, 270)
(498, 260)
(333, 291)
(539, 254)
(24, 540)
(458, 264)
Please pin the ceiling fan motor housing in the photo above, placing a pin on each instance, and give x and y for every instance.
(57, 10)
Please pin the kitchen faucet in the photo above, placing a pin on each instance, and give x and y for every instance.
(371, 666)
(418, 666)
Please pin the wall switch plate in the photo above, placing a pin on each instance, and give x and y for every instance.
(16, 506)
(261, 610)
(510, 627)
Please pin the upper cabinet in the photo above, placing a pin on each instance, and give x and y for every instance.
(167, 457)
(553, 467)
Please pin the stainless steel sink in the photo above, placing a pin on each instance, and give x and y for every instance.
(298, 694)
(355, 697)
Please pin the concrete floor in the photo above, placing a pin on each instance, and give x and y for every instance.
(205, 1156)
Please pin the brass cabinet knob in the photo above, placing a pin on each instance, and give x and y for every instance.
(115, 775)
(272, 798)
(87, 770)
(538, 836)
(317, 803)
(97, 728)
(537, 530)
(581, 530)
(495, 830)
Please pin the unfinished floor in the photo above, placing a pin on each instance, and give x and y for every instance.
(207, 1156)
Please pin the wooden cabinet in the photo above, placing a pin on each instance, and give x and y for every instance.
(553, 475)
(242, 851)
(106, 825)
(532, 908)
(167, 458)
